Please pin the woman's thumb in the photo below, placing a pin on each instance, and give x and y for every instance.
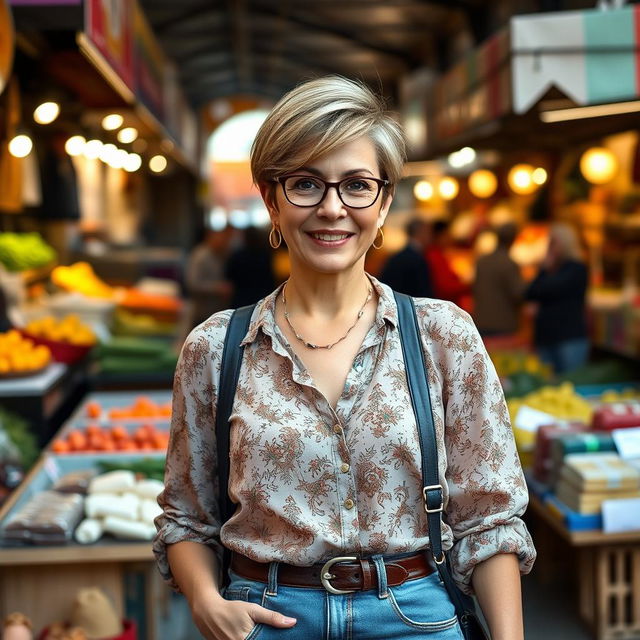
(272, 618)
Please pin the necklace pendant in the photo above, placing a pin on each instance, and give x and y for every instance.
(312, 346)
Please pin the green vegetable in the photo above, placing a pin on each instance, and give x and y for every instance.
(19, 433)
(152, 468)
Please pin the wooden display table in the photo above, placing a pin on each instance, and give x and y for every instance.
(608, 576)
(42, 581)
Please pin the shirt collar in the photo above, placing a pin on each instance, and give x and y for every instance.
(263, 317)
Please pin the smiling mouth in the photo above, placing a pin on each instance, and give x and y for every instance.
(330, 237)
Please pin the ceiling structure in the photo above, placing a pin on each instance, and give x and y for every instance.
(264, 47)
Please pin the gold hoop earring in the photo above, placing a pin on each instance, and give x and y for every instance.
(273, 242)
(379, 246)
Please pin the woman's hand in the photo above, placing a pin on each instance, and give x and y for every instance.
(220, 619)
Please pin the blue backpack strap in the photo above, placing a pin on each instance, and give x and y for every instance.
(229, 374)
(432, 492)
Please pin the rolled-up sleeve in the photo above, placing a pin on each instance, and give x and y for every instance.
(190, 498)
(487, 490)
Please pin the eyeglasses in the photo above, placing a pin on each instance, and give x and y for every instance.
(355, 192)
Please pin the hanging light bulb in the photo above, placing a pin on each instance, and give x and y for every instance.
(598, 165)
(74, 146)
(112, 122)
(20, 146)
(520, 179)
(46, 112)
(539, 176)
(92, 149)
(107, 152)
(158, 164)
(127, 135)
(132, 163)
(483, 183)
(448, 188)
(423, 190)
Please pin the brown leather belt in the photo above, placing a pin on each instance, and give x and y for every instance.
(338, 575)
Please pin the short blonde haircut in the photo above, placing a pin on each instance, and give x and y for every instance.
(318, 116)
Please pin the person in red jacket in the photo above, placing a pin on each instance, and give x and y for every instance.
(446, 283)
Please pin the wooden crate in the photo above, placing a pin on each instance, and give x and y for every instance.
(611, 600)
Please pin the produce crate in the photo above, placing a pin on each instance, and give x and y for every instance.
(613, 606)
(111, 399)
(53, 467)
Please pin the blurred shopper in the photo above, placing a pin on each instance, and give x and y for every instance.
(407, 271)
(498, 289)
(249, 270)
(208, 290)
(447, 285)
(560, 334)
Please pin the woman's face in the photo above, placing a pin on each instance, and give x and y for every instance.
(331, 237)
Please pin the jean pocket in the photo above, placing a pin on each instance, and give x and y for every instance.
(423, 604)
(237, 593)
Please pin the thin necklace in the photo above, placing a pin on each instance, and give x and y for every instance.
(310, 345)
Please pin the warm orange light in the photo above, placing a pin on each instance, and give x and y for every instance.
(448, 188)
(423, 190)
(598, 165)
(520, 179)
(483, 183)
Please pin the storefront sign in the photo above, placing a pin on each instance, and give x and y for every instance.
(109, 27)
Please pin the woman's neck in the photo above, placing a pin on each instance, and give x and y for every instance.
(326, 296)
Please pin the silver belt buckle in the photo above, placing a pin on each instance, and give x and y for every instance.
(326, 575)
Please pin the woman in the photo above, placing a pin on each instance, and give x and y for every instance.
(325, 458)
(560, 332)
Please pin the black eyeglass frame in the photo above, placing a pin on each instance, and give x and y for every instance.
(327, 185)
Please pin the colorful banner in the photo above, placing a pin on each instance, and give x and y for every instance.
(592, 57)
(475, 91)
(150, 64)
(109, 27)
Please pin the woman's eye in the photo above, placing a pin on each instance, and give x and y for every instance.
(359, 185)
(305, 185)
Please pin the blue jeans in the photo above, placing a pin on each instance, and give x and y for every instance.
(566, 355)
(418, 608)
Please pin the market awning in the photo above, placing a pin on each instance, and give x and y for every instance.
(541, 62)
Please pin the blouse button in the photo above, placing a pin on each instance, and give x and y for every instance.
(337, 429)
(348, 503)
(344, 467)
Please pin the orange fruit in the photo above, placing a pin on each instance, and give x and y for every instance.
(93, 410)
(60, 446)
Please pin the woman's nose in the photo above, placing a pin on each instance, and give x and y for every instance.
(331, 205)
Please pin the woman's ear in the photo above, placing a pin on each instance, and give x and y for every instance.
(268, 193)
(384, 207)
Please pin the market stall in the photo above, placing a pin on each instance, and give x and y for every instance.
(95, 522)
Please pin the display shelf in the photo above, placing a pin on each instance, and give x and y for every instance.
(42, 581)
(112, 399)
(603, 583)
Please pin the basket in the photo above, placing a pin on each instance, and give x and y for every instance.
(129, 632)
(61, 351)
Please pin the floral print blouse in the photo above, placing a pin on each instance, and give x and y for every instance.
(312, 482)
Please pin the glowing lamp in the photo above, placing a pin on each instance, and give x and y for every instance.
(158, 164)
(112, 122)
(448, 188)
(520, 179)
(423, 190)
(74, 146)
(20, 146)
(598, 165)
(483, 183)
(46, 112)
